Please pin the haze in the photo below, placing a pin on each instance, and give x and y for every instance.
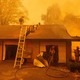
(38, 7)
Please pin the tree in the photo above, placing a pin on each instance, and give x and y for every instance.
(52, 16)
(11, 11)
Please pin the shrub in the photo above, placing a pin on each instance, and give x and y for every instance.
(74, 66)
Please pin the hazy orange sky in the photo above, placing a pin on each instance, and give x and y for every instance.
(37, 7)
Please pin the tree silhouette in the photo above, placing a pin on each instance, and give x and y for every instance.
(11, 11)
(52, 16)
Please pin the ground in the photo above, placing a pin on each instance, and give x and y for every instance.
(30, 72)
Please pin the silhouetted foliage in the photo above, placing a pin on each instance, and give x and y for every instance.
(11, 11)
(52, 16)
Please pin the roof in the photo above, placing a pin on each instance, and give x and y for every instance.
(42, 32)
(50, 32)
(9, 31)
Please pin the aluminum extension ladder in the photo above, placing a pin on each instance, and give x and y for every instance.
(20, 49)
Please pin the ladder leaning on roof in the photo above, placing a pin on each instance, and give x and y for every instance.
(25, 30)
(20, 49)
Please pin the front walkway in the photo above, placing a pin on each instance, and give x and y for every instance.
(30, 72)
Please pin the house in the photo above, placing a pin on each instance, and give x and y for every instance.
(36, 42)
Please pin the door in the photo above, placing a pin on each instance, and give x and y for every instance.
(11, 52)
(55, 56)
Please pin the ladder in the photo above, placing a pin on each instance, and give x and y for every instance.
(20, 49)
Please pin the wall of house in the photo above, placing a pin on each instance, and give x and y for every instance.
(39, 46)
(36, 46)
(61, 49)
(29, 46)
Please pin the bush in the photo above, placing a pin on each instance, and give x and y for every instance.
(74, 66)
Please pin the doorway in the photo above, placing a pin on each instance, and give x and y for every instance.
(10, 52)
(75, 44)
(56, 56)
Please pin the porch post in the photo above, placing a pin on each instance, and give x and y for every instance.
(68, 51)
